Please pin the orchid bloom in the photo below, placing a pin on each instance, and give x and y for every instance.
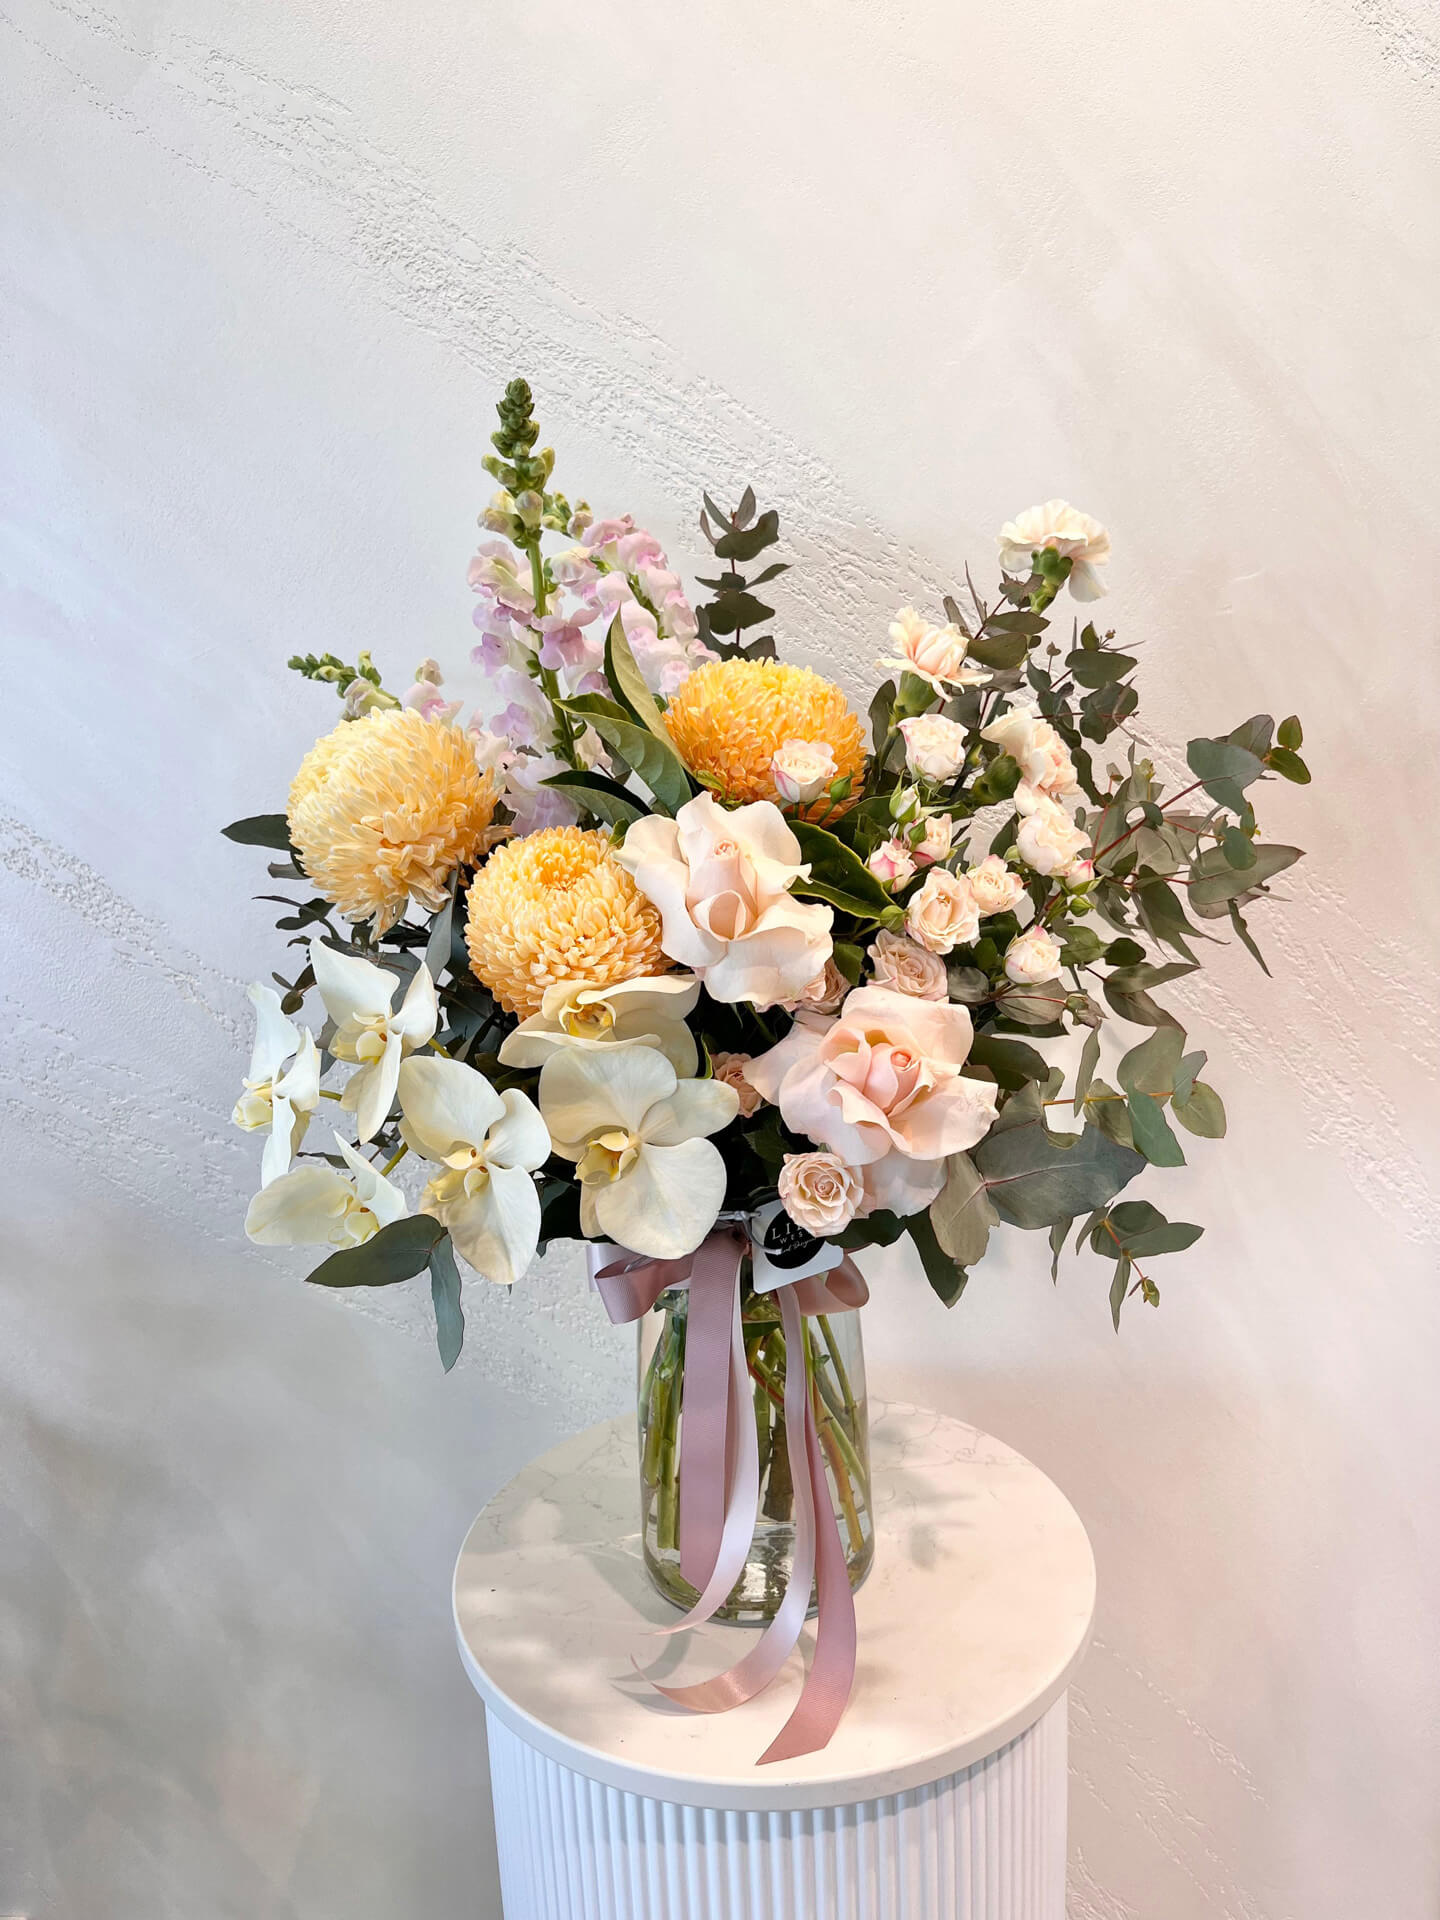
(649, 1012)
(650, 1179)
(489, 1145)
(314, 1206)
(281, 1101)
(358, 997)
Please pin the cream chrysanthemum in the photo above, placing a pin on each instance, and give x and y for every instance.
(555, 906)
(729, 719)
(384, 809)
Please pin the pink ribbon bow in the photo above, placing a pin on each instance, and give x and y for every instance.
(720, 1478)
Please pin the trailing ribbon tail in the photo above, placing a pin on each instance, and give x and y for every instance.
(720, 1480)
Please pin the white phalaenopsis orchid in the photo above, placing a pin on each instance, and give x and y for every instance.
(281, 1101)
(649, 1178)
(358, 997)
(489, 1145)
(649, 1012)
(316, 1206)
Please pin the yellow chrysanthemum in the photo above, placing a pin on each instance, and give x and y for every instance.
(729, 719)
(384, 809)
(555, 906)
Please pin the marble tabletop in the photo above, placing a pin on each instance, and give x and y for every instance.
(973, 1618)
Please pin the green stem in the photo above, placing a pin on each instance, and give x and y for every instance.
(394, 1160)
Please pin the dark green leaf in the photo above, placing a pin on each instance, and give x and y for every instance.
(1284, 760)
(593, 793)
(1143, 1230)
(1030, 624)
(627, 683)
(1224, 769)
(962, 1215)
(655, 763)
(946, 1277)
(1119, 1288)
(440, 944)
(732, 611)
(1011, 1061)
(1098, 667)
(744, 544)
(1124, 953)
(837, 873)
(1035, 1177)
(445, 1294)
(1237, 920)
(881, 708)
(1238, 848)
(1290, 733)
(1214, 881)
(1105, 1106)
(880, 1229)
(849, 959)
(998, 782)
(1186, 1074)
(1151, 1132)
(1201, 1112)
(1085, 1072)
(1153, 1065)
(1253, 734)
(999, 650)
(1082, 946)
(396, 1252)
(261, 830)
(1057, 1245)
(1163, 917)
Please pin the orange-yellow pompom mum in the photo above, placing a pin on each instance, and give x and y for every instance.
(384, 809)
(729, 719)
(556, 906)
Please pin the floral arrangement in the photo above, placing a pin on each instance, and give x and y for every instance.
(669, 936)
(669, 931)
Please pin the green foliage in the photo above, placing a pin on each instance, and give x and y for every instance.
(737, 538)
(262, 830)
(596, 794)
(653, 759)
(397, 1252)
(1034, 1177)
(627, 683)
(838, 874)
(946, 1276)
(445, 1296)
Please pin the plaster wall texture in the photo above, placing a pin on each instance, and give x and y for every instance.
(907, 268)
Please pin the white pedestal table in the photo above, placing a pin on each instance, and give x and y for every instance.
(941, 1797)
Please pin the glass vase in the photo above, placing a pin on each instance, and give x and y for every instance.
(835, 1359)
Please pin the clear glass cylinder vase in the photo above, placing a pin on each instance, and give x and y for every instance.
(835, 1359)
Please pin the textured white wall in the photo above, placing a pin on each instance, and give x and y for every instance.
(908, 268)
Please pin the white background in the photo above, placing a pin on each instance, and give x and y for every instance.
(908, 268)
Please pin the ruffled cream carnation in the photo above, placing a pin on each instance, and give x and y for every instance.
(384, 809)
(729, 720)
(555, 906)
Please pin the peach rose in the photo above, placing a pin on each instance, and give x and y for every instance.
(720, 880)
(995, 887)
(907, 967)
(1032, 958)
(824, 993)
(892, 863)
(819, 1192)
(730, 1072)
(881, 1086)
(943, 914)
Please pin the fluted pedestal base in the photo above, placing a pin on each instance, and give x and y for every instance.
(987, 1843)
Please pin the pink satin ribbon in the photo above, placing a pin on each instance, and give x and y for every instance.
(720, 1478)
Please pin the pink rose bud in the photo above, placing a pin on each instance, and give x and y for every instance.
(892, 863)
